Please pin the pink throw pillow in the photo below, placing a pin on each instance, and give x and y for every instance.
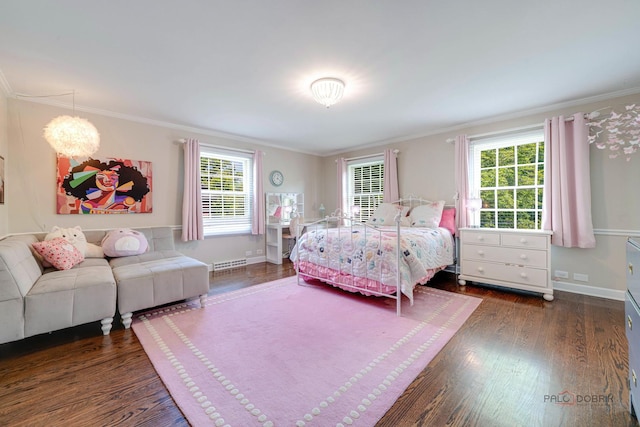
(448, 220)
(59, 252)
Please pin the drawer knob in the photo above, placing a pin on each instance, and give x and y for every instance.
(523, 275)
(480, 237)
(523, 256)
(523, 240)
(480, 269)
(635, 379)
(631, 269)
(630, 322)
(480, 252)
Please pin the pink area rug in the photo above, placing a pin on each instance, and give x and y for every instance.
(279, 354)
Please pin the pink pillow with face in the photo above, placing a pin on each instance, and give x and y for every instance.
(59, 253)
(124, 242)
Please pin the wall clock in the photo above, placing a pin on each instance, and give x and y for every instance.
(276, 178)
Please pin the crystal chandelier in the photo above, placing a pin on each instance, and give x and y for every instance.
(327, 91)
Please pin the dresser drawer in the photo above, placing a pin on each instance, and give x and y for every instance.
(524, 241)
(528, 257)
(633, 269)
(634, 371)
(632, 322)
(480, 237)
(508, 273)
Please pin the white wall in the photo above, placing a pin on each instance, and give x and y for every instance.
(425, 168)
(32, 177)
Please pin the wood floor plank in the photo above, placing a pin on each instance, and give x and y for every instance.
(514, 353)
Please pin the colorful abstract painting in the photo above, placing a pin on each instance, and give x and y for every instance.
(110, 186)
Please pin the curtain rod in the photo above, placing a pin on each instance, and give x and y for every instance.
(349, 159)
(221, 147)
(507, 131)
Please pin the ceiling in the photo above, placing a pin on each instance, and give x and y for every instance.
(411, 67)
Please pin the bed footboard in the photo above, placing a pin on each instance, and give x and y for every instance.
(359, 272)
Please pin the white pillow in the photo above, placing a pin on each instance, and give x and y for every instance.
(385, 214)
(427, 215)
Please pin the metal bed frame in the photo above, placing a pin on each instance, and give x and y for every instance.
(338, 221)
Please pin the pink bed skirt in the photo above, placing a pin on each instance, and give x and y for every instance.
(351, 283)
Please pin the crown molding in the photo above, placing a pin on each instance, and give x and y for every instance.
(495, 119)
(159, 123)
(5, 86)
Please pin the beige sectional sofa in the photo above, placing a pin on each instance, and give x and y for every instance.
(35, 300)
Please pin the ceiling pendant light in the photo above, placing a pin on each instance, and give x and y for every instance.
(72, 136)
(327, 91)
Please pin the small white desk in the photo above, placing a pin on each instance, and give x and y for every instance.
(274, 242)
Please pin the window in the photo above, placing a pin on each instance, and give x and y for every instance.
(227, 186)
(508, 175)
(365, 184)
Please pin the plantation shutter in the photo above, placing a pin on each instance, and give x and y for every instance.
(227, 188)
(366, 186)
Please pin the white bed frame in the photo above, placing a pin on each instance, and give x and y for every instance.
(338, 221)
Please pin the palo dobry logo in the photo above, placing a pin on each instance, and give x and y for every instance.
(563, 398)
(567, 398)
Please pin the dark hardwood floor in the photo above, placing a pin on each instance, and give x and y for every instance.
(517, 361)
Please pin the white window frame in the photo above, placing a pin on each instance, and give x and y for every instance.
(373, 198)
(225, 221)
(510, 140)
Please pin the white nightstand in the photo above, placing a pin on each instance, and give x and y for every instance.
(517, 259)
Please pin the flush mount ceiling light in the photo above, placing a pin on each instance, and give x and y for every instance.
(72, 136)
(327, 91)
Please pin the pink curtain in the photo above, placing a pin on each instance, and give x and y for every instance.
(391, 192)
(342, 185)
(258, 217)
(566, 208)
(462, 180)
(192, 228)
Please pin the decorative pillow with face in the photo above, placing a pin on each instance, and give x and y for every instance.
(124, 242)
(74, 235)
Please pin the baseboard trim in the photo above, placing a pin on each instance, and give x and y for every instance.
(256, 259)
(588, 290)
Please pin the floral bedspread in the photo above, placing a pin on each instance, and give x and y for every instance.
(367, 257)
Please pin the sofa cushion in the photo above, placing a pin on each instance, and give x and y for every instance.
(159, 238)
(19, 269)
(145, 257)
(64, 298)
(151, 283)
(11, 319)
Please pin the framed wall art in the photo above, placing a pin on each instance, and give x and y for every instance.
(109, 186)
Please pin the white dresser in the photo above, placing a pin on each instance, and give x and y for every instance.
(517, 259)
(632, 313)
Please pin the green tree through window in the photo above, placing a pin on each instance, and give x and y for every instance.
(508, 175)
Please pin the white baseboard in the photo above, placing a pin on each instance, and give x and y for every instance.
(588, 290)
(256, 259)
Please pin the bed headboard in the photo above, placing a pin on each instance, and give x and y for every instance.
(448, 219)
(413, 201)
